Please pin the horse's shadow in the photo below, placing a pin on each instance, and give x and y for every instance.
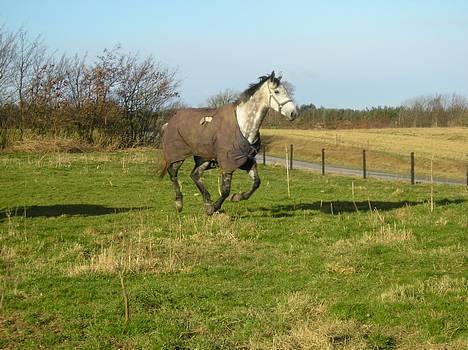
(340, 207)
(57, 210)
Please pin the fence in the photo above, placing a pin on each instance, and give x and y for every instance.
(364, 171)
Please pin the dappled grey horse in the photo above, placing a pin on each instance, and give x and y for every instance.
(227, 137)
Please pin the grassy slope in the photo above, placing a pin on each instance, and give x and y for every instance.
(320, 270)
(387, 149)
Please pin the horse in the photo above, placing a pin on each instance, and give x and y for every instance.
(227, 137)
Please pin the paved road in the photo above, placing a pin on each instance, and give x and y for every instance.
(297, 164)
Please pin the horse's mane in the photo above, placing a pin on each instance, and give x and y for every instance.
(248, 93)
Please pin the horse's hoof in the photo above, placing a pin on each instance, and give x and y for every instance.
(209, 209)
(236, 197)
(179, 205)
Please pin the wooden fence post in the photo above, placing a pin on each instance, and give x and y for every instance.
(412, 168)
(364, 170)
(323, 161)
(264, 155)
(290, 156)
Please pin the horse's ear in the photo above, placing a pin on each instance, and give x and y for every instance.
(272, 75)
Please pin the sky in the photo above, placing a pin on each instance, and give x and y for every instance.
(343, 54)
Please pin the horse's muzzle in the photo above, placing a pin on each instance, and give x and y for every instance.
(294, 114)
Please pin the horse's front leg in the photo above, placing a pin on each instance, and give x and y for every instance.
(253, 173)
(225, 190)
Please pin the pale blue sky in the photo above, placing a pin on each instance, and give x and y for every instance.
(336, 53)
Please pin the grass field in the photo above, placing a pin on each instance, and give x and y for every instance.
(387, 149)
(343, 264)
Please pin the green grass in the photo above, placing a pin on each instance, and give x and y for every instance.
(344, 263)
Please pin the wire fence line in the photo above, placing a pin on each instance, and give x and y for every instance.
(324, 168)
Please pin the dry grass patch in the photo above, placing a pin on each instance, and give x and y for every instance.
(36, 143)
(445, 259)
(61, 158)
(218, 224)
(387, 233)
(150, 255)
(323, 336)
(193, 240)
(298, 307)
(8, 254)
(404, 293)
(387, 149)
(448, 143)
(460, 344)
(127, 252)
(340, 268)
(446, 284)
(301, 322)
(382, 233)
(417, 292)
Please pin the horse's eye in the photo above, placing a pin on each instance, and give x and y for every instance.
(276, 91)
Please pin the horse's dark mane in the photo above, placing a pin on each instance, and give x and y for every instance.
(248, 93)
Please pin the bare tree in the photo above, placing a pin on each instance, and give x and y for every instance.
(290, 88)
(222, 98)
(7, 53)
(434, 110)
(30, 56)
(75, 70)
(458, 110)
(102, 79)
(145, 90)
(46, 98)
(230, 96)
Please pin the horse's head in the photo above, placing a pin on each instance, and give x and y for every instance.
(279, 98)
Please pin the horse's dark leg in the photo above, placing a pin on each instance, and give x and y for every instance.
(197, 172)
(253, 173)
(225, 190)
(172, 170)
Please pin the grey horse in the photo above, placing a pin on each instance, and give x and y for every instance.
(227, 137)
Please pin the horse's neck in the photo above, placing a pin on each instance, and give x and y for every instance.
(250, 116)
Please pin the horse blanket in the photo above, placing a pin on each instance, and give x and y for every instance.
(212, 134)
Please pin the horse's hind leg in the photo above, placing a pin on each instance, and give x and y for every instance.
(225, 190)
(253, 173)
(196, 174)
(173, 170)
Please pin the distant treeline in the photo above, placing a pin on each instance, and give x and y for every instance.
(122, 100)
(117, 98)
(425, 111)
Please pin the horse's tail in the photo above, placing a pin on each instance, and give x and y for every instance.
(164, 163)
(164, 167)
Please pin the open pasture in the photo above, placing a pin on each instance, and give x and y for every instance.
(343, 264)
(387, 149)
